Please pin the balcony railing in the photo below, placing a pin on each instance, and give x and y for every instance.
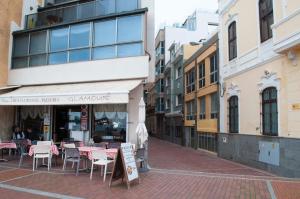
(55, 2)
(79, 12)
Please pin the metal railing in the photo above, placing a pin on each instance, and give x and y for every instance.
(76, 12)
(55, 2)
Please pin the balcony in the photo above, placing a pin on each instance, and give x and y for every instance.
(287, 40)
(79, 12)
(49, 3)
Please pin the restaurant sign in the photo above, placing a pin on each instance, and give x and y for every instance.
(108, 98)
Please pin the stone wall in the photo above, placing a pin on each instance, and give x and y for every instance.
(247, 149)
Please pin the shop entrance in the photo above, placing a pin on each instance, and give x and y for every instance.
(66, 121)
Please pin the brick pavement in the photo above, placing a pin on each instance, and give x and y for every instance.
(176, 173)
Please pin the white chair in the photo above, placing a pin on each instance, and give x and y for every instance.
(44, 143)
(99, 157)
(41, 152)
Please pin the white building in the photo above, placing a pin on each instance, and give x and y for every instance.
(79, 68)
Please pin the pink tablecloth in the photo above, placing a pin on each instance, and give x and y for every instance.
(8, 145)
(54, 150)
(87, 151)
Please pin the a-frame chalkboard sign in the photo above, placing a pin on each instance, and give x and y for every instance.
(125, 166)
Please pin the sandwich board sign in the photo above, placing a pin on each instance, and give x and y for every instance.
(125, 166)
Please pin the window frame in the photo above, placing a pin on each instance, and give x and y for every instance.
(201, 74)
(214, 115)
(266, 20)
(269, 102)
(233, 108)
(202, 113)
(232, 41)
(190, 81)
(214, 69)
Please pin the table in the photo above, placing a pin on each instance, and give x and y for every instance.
(87, 151)
(54, 150)
(7, 145)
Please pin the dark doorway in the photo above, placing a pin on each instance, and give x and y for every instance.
(66, 119)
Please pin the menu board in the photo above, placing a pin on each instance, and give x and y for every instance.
(125, 165)
(129, 161)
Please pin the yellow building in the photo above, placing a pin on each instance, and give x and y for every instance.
(10, 10)
(260, 78)
(202, 97)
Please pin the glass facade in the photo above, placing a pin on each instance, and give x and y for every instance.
(117, 37)
(79, 11)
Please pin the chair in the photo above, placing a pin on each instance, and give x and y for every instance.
(114, 145)
(41, 152)
(140, 156)
(99, 157)
(70, 145)
(24, 152)
(72, 155)
(101, 144)
(44, 143)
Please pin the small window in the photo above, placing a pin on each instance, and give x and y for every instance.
(214, 106)
(59, 39)
(105, 33)
(270, 112)
(266, 19)
(129, 50)
(233, 110)
(190, 81)
(127, 5)
(202, 74)
(202, 114)
(80, 35)
(130, 29)
(232, 43)
(214, 75)
(179, 100)
(38, 42)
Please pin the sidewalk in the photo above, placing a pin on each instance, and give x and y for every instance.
(176, 172)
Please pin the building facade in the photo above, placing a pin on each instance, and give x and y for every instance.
(10, 13)
(260, 98)
(78, 70)
(174, 92)
(197, 27)
(202, 97)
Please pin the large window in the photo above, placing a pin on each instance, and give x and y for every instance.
(266, 19)
(202, 102)
(233, 109)
(118, 37)
(190, 81)
(232, 43)
(214, 106)
(270, 112)
(214, 75)
(191, 110)
(202, 74)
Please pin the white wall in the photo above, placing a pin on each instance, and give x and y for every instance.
(101, 70)
(133, 112)
(150, 36)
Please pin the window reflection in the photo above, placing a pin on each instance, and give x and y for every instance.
(59, 39)
(79, 35)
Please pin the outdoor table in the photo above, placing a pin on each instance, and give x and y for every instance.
(7, 145)
(87, 151)
(54, 150)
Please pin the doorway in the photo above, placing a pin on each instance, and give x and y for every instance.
(66, 119)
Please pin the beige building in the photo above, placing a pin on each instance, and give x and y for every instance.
(260, 84)
(260, 68)
(10, 12)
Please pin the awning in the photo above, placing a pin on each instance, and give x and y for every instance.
(113, 92)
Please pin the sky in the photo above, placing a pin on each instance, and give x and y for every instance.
(171, 11)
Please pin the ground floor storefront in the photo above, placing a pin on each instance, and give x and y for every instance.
(105, 111)
(174, 129)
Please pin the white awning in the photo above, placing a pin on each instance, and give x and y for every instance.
(113, 92)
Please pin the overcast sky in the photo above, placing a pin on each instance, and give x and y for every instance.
(171, 11)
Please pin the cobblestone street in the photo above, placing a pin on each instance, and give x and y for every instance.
(176, 172)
